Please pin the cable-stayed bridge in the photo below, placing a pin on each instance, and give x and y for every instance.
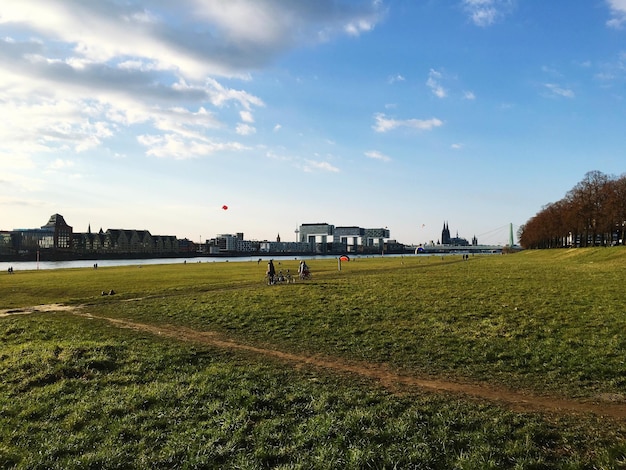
(506, 235)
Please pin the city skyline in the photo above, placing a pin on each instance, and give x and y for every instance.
(380, 113)
(61, 240)
(295, 236)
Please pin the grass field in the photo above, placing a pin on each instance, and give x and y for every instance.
(500, 361)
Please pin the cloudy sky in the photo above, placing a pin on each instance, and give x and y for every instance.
(377, 113)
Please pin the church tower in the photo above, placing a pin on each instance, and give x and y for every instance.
(445, 234)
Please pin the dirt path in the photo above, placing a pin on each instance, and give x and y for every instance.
(38, 308)
(607, 405)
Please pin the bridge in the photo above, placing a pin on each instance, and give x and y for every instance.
(498, 239)
(469, 249)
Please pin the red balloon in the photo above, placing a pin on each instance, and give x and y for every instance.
(225, 207)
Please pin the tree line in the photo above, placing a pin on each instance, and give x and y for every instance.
(592, 213)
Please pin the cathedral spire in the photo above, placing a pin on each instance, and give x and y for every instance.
(445, 234)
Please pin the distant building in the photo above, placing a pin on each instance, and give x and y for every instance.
(227, 242)
(58, 238)
(126, 241)
(318, 236)
(62, 233)
(446, 239)
(326, 238)
(374, 238)
(55, 235)
(6, 242)
(350, 237)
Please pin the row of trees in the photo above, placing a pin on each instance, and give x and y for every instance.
(593, 213)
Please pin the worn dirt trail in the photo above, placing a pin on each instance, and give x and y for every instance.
(608, 406)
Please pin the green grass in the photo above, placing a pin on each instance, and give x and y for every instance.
(81, 393)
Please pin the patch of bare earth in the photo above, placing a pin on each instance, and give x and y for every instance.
(35, 309)
(607, 405)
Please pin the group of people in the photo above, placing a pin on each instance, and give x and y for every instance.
(273, 278)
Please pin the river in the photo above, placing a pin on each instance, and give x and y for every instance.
(34, 265)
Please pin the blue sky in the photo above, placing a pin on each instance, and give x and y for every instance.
(377, 113)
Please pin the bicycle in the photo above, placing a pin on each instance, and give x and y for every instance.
(305, 275)
(279, 278)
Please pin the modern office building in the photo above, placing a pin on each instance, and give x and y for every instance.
(326, 238)
(319, 237)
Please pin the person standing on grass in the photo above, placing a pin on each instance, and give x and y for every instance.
(303, 270)
(271, 271)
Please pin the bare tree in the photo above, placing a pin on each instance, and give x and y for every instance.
(592, 213)
(589, 197)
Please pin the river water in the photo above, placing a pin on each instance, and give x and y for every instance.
(34, 265)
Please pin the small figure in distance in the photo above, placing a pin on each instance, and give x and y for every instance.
(271, 272)
(303, 270)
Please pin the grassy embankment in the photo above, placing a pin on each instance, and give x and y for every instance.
(83, 393)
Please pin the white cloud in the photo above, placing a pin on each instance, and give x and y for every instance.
(355, 28)
(60, 164)
(612, 70)
(557, 90)
(173, 146)
(28, 127)
(618, 13)
(312, 165)
(274, 156)
(245, 129)
(246, 116)
(469, 95)
(376, 155)
(486, 12)
(551, 71)
(456, 146)
(220, 95)
(55, 107)
(182, 120)
(434, 84)
(384, 124)
(97, 69)
(395, 78)
(263, 28)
